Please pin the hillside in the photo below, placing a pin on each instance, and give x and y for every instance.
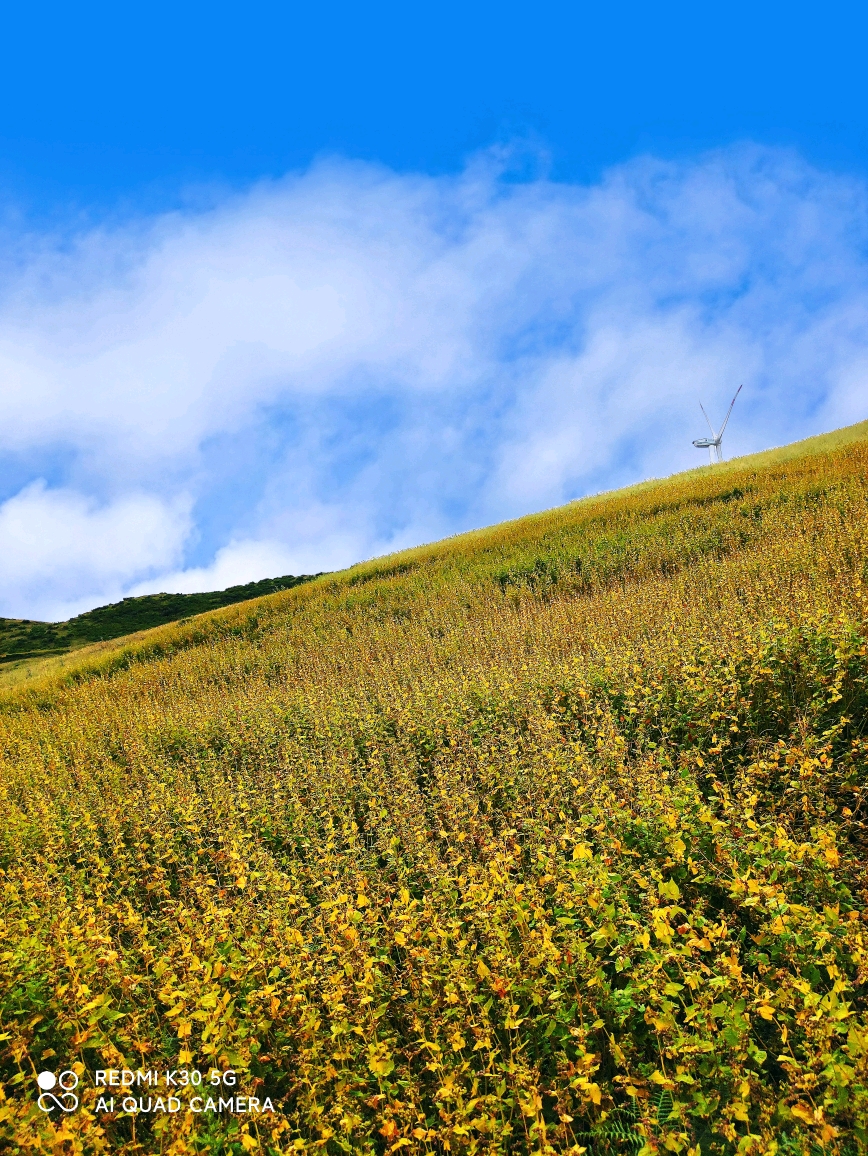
(548, 838)
(21, 638)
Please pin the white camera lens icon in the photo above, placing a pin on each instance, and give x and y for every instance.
(65, 1100)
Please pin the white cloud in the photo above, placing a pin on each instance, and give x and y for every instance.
(60, 549)
(350, 360)
(237, 564)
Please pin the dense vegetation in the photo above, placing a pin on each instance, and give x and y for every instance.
(21, 638)
(546, 839)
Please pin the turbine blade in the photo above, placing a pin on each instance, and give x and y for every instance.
(705, 415)
(729, 411)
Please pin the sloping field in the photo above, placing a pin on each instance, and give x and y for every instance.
(544, 839)
(22, 640)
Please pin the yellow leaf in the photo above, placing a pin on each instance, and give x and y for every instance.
(803, 1112)
(658, 1077)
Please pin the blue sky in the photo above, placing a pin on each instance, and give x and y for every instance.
(284, 287)
(103, 102)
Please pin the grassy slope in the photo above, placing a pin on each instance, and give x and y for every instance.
(26, 655)
(543, 838)
(22, 639)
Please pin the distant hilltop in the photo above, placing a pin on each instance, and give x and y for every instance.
(22, 639)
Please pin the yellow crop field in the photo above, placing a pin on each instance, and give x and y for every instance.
(544, 839)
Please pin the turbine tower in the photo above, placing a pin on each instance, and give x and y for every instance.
(712, 444)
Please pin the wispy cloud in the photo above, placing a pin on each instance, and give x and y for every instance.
(350, 360)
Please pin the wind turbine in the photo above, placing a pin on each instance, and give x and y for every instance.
(712, 444)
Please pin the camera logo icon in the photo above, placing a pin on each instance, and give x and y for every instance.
(65, 1099)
